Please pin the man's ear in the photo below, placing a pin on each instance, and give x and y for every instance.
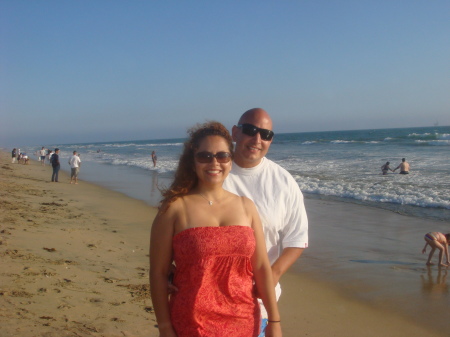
(234, 131)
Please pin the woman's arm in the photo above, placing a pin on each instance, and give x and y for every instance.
(424, 248)
(160, 261)
(263, 274)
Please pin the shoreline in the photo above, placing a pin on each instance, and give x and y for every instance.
(95, 281)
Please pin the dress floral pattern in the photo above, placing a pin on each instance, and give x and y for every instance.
(214, 277)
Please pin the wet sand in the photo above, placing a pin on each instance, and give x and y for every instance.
(374, 256)
(74, 262)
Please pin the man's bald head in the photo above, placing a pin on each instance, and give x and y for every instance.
(256, 116)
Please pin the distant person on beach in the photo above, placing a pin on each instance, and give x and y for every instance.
(42, 153)
(216, 240)
(404, 167)
(439, 241)
(54, 159)
(154, 158)
(75, 163)
(385, 168)
(49, 156)
(23, 158)
(13, 155)
(274, 191)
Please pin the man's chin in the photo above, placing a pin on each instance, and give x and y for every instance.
(253, 159)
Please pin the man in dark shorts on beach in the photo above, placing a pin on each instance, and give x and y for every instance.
(75, 163)
(56, 165)
(42, 154)
(404, 167)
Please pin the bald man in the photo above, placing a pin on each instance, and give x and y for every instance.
(404, 167)
(274, 191)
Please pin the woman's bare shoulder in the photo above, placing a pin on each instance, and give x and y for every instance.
(170, 210)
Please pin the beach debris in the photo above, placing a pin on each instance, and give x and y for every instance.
(96, 300)
(115, 319)
(49, 249)
(52, 204)
(138, 291)
(110, 280)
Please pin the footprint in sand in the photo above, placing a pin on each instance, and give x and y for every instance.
(115, 319)
(96, 300)
(149, 310)
(16, 293)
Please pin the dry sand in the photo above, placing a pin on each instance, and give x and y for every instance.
(74, 262)
(74, 258)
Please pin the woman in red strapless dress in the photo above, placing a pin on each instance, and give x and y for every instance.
(216, 241)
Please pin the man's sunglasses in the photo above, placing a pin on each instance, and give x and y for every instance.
(251, 130)
(207, 157)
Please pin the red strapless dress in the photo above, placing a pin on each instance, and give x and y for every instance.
(214, 278)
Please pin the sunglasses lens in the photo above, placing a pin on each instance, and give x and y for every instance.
(266, 134)
(223, 157)
(251, 130)
(204, 157)
(207, 157)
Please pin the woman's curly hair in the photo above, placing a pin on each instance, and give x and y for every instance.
(185, 176)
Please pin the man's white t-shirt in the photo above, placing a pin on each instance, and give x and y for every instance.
(74, 161)
(280, 204)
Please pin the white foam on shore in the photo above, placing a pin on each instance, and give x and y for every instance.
(374, 192)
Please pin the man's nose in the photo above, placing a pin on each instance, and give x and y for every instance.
(257, 137)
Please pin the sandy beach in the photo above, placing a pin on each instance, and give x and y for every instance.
(74, 262)
(74, 257)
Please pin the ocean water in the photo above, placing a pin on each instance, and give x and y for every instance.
(339, 165)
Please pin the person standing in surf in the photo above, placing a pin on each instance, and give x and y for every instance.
(404, 167)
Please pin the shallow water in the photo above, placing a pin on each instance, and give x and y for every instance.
(344, 165)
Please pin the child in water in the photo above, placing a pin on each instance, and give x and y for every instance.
(439, 241)
(385, 168)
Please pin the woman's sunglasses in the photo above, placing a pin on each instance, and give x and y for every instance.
(207, 157)
(251, 130)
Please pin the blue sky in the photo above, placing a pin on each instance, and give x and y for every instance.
(73, 71)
